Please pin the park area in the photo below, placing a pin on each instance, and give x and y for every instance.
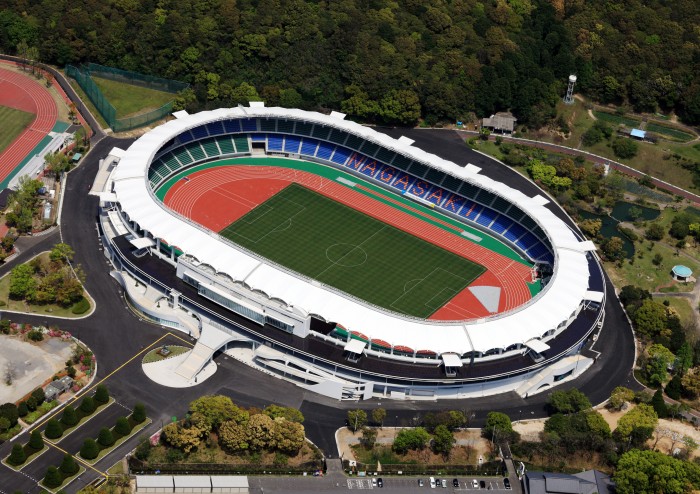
(341, 247)
(130, 99)
(13, 124)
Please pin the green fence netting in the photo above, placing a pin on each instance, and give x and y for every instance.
(83, 75)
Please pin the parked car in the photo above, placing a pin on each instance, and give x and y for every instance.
(432, 482)
(482, 484)
(475, 484)
(420, 482)
(380, 482)
(455, 483)
(444, 483)
(506, 483)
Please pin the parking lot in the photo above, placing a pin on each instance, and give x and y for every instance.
(405, 484)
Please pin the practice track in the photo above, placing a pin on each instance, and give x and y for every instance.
(216, 197)
(23, 93)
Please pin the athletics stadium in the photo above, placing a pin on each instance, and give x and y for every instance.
(351, 263)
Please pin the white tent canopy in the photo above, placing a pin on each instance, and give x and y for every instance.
(451, 360)
(355, 346)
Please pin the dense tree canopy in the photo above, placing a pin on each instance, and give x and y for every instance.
(382, 60)
(650, 472)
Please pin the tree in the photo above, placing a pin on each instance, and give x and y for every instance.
(357, 419)
(570, 401)
(657, 401)
(650, 318)
(139, 413)
(88, 406)
(655, 231)
(36, 441)
(53, 429)
(613, 248)
(22, 282)
(691, 382)
(122, 426)
(17, 456)
(39, 395)
(651, 471)
(68, 466)
(591, 227)
(184, 438)
(105, 437)
(497, 425)
(89, 450)
(57, 163)
(233, 436)
(53, 478)
(625, 148)
(218, 409)
(443, 440)
(660, 358)
(684, 358)
(101, 394)
(62, 253)
(244, 94)
(674, 387)
(637, 425)
(369, 437)
(260, 428)
(289, 413)
(619, 397)
(22, 409)
(400, 107)
(287, 437)
(378, 416)
(410, 439)
(69, 417)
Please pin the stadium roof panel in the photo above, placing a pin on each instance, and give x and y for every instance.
(554, 305)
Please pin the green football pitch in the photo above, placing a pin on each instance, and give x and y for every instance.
(349, 250)
(12, 123)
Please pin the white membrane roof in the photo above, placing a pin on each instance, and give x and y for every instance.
(560, 299)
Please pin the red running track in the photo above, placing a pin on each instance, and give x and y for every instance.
(216, 197)
(24, 93)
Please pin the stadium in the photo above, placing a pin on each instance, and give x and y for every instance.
(351, 263)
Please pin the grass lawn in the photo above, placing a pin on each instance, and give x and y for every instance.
(131, 100)
(616, 120)
(669, 132)
(341, 247)
(12, 123)
(682, 306)
(41, 410)
(645, 274)
(154, 356)
(84, 97)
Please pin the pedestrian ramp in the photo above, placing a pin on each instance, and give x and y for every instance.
(209, 342)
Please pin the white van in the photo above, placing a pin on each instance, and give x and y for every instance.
(432, 482)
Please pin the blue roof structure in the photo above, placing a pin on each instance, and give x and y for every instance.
(682, 271)
(638, 133)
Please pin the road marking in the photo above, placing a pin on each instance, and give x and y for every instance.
(360, 484)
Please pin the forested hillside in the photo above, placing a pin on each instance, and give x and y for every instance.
(382, 60)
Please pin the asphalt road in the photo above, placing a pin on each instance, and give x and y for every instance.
(116, 335)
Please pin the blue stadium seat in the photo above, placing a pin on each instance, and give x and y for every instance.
(232, 126)
(274, 142)
(185, 137)
(472, 211)
(291, 144)
(258, 137)
(437, 196)
(308, 147)
(325, 150)
(401, 183)
(215, 128)
(249, 125)
(368, 166)
(341, 155)
(200, 132)
(527, 241)
(486, 217)
(514, 232)
(501, 224)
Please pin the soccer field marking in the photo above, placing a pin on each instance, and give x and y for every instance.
(442, 300)
(396, 303)
(318, 276)
(284, 225)
(348, 264)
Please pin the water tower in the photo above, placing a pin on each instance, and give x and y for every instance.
(569, 99)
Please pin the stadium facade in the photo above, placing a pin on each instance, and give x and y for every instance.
(183, 276)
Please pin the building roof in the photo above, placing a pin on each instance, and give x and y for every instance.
(501, 121)
(229, 481)
(192, 481)
(638, 133)
(553, 306)
(682, 271)
(143, 481)
(557, 483)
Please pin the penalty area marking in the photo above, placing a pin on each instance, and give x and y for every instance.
(396, 303)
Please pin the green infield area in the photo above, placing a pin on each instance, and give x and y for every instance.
(12, 123)
(129, 99)
(349, 250)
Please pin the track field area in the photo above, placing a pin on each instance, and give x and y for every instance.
(360, 255)
(12, 124)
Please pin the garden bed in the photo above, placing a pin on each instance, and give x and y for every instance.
(66, 480)
(31, 455)
(82, 419)
(155, 356)
(119, 439)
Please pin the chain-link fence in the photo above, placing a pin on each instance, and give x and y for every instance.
(83, 75)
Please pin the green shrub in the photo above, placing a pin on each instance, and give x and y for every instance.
(69, 417)
(68, 466)
(35, 440)
(88, 405)
(39, 394)
(139, 413)
(90, 450)
(22, 409)
(101, 394)
(105, 438)
(53, 429)
(17, 457)
(122, 426)
(53, 478)
(81, 306)
(31, 404)
(35, 335)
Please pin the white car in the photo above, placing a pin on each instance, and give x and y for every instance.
(475, 483)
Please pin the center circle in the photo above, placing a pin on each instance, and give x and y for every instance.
(346, 255)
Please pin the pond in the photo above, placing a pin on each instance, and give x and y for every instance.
(621, 212)
(609, 229)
